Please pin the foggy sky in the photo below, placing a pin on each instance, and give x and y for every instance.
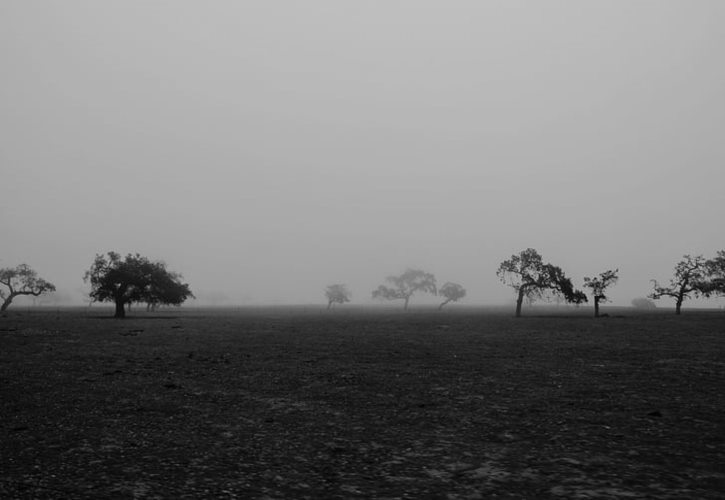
(268, 149)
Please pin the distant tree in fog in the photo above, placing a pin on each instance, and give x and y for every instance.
(643, 303)
(453, 292)
(531, 278)
(599, 285)
(134, 279)
(404, 286)
(337, 294)
(21, 280)
(55, 298)
(690, 280)
(216, 298)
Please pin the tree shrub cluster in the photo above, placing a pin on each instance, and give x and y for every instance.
(531, 278)
(412, 281)
(136, 279)
(402, 287)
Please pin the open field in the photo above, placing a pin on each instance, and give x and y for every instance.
(305, 403)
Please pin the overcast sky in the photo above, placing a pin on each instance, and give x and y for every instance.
(268, 149)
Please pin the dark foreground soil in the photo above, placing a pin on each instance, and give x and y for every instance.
(308, 404)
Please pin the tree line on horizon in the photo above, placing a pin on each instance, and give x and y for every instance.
(532, 279)
(136, 279)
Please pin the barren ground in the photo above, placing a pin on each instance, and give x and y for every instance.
(304, 403)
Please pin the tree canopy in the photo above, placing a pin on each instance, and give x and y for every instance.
(404, 286)
(715, 275)
(452, 292)
(337, 294)
(531, 278)
(21, 280)
(689, 280)
(134, 279)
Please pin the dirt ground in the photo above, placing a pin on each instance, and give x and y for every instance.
(306, 403)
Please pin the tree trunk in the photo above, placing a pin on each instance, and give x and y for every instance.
(443, 303)
(405, 306)
(329, 304)
(678, 305)
(596, 306)
(120, 309)
(519, 301)
(7, 302)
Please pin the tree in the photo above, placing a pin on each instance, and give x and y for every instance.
(452, 292)
(165, 287)
(599, 284)
(404, 286)
(134, 279)
(689, 280)
(531, 278)
(21, 280)
(643, 303)
(337, 294)
(715, 268)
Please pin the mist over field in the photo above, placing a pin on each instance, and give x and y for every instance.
(266, 150)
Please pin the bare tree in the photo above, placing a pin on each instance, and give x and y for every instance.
(598, 285)
(337, 294)
(531, 278)
(453, 292)
(689, 280)
(404, 286)
(21, 280)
